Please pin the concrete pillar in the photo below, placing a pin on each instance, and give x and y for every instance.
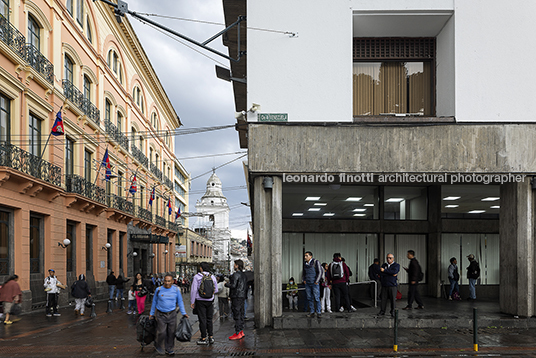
(516, 244)
(267, 228)
(433, 276)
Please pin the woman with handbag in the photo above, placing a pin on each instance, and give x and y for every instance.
(10, 294)
(141, 292)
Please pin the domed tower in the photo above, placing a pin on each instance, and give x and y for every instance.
(213, 204)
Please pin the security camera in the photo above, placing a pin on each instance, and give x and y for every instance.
(255, 107)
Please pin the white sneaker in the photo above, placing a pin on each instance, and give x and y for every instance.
(329, 310)
(353, 309)
(322, 311)
(57, 314)
(341, 309)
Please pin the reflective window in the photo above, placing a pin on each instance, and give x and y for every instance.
(107, 110)
(88, 30)
(405, 203)
(69, 156)
(470, 201)
(87, 165)
(399, 245)
(5, 119)
(87, 88)
(34, 33)
(69, 6)
(4, 8)
(34, 144)
(68, 69)
(79, 12)
(119, 121)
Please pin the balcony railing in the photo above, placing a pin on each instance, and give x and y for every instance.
(140, 157)
(19, 159)
(78, 185)
(12, 37)
(173, 226)
(157, 172)
(116, 134)
(144, 214)
(168, 182)
(39, 62)
(120, 203)
(160, 221)
(74, 95)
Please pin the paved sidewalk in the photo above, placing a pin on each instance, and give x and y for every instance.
(114, 335)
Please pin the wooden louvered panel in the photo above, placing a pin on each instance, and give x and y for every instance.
(394, 48)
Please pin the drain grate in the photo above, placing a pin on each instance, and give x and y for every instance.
(242, 354)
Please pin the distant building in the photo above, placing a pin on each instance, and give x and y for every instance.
(194, 249)
(215, 222)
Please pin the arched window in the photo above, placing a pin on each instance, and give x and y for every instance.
(119, 121)
(34, 33)
(80, 12)
(138, 98)
(151, 155)
(107, 110)
(70, 7)
(154, 121)
(134, 135)
(115, 64)
(4, 8)
(87, 88)
(68, 65)
(88, 30)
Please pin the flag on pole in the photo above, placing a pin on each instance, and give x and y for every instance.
(106, 164)
(151, 198)
(169, 205)
(178, 214)
(57, 128)
(133, 186)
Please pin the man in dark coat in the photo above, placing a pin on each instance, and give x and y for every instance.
(389, 274)
(238, 285)
(473, 273)
(414, 271)
(80, 291)
(110, 280)
(374, 275)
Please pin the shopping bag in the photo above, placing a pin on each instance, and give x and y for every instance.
(16, 309)
(184, 330)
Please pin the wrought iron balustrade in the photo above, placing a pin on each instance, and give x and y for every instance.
(116, 134)
(160, 221)
(74, 95)
(119, 203)
(19, 159)
(144, 214)
(173, 226)
(140, 157)
(39, 62)
(12, 37)
(157, 172)
(168, 182)
(78, 185)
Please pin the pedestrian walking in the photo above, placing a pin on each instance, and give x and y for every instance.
(292, 296)
(311, 276)
(110, 280)
(238, 286)
(325, 301)
(337, 276)
(352, 308)
(52, 288)
(389, 276)
(223, 298)
(80, 291)
(141, 292)
(164, 308)
(204, 286)
(415, 274)
(120, 287)
(454, 278)
(374, 275)
(131, 300)
(10, 294)
(473, 273)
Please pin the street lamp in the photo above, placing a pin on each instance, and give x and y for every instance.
(106, 246)
(66, 242)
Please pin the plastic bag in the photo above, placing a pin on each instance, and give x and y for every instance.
(89, 302)
(16, 309)
(184, 330)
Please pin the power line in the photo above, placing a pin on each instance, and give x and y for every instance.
(229, 162)
(211, 155)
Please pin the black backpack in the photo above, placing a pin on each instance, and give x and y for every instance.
(206, 287)
(337, 270)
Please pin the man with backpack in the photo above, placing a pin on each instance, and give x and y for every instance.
(415, 275)
(164, 308)
(80, 291)
(204, 286)
(473, 273)
(337, 275)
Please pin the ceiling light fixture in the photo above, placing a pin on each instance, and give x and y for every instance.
(491, 198)
(353, 198)
(451, 206)
(297, 214)
(452, 198)
(495, 207)
(329, 214)
(321, 204)
(394, 200)
(312, 198)
(368, 205)
(360, 214)
(314, 209)
(359, 210)
(476, 212)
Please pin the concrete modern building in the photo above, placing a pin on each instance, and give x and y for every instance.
(73, 57)
(214, 223)
(384, 126)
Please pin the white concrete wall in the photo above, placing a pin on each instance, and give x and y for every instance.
(484, 55)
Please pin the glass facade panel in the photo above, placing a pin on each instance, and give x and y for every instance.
(405, 203)
(470, 201)
(399, 245)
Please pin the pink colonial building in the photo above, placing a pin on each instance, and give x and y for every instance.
(72, 56)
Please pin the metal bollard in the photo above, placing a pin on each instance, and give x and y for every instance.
(110, 306)
(395, 343)
(122, 303)
(475, 330)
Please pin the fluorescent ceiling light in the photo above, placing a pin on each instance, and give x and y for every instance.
(360, 214)
(491, 198)
(360, 210)
(321, 204)
(353, 198)
(476, 211)
(312, 198)
(297, 214)
(394, 200)
(495, 207)
(452, 198)
(314, 209)
(329, 214)
(451, 206)
(368, 205)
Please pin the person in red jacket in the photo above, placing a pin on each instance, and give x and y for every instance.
(337, 276)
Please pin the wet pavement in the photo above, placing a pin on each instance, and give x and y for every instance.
(114, 335)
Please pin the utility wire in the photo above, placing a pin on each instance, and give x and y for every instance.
(211, 155)
(229, 162)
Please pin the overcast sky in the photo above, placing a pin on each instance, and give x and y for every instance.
(199, 98)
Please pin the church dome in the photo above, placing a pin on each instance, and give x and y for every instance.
(214, 188)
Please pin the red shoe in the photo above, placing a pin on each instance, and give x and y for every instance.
(241, 334)
(235, 336)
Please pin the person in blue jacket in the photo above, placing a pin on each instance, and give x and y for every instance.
(388, 277)
(165, 302)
